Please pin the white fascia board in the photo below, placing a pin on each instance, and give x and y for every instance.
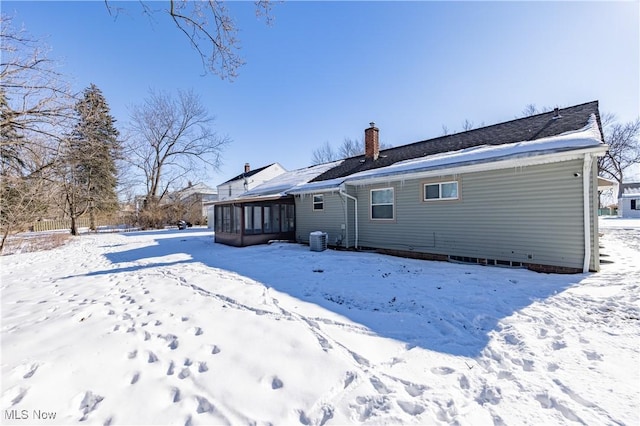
(324, 186)
(493, 164)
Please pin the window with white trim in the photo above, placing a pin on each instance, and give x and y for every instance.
(635, 204)
(441, 191)
(318, 202)
(382, 203)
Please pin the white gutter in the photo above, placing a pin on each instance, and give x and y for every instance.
(586, 176)
(355, 200)
(382, 175)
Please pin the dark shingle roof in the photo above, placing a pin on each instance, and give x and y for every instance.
(519, 130)
(248, 174)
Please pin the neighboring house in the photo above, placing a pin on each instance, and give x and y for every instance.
(248, 180)
(629, 202)
(263, 213)
(190, 202)
(523, 193)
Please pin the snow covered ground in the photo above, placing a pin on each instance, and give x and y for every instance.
(167, 327)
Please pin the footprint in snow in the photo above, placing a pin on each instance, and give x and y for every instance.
(152, 357)
(215, 350)
(88, 403)
(170, 369)
(197, 331)
(414, 390)
(202, 367)
(464, 382)
(132, 354)
(204, 406)
(379, 386)
(276, 383)
(17, 394)
(593, 356)
(411, 408)
(184, 373)
(30, 371)
(558, 344)
(173, 344)
(135, 378)
(175, 395)
(442, 370)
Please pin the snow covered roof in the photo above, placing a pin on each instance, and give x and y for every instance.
(588, 137)
(248, 174)
(585, 137)
(281, 185)
(631, 189)
(198, 188)
(551, 123)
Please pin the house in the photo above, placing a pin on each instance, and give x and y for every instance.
(193, 200)
(263, 213)
(629, 202)
(248, 180)
(522, 193)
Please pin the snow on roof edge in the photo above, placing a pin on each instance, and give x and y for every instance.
(282, 184)
(588, 136)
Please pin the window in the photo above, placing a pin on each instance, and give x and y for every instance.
(441, 191)
(226, 218)
(218, 218)
(635, 204)
(287, 217)
(382, 203)
(237, 219)
(266, 222)
(318, 202)
(275, 218)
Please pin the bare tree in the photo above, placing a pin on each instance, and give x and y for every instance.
(532, 109)
(467, 125)
(170, 138)
(324, 154)
(348, 148)
(351, 148)
(36, 107)
(40, 101)
(624, 150)
(210, 30)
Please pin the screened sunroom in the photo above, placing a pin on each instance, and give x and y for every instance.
(246, 223)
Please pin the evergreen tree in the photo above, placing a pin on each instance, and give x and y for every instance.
(89, 167)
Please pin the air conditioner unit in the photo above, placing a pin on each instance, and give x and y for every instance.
(318, 241)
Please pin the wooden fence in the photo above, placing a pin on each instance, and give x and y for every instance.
(83, 222)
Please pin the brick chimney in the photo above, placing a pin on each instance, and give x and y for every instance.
(247, 168)
(371, 142)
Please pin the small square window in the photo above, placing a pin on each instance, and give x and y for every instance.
(318, 202)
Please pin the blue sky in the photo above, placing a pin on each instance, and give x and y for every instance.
(323, 70)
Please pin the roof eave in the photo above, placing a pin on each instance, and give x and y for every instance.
(479, 166)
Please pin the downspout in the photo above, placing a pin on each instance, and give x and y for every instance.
(586, 177)
(355, 200)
